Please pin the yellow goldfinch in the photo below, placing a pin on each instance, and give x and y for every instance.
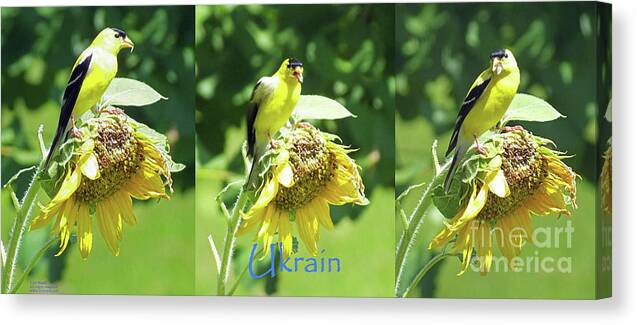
(485, 104)
(92, 72)
(271, 104)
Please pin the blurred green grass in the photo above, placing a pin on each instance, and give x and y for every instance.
(156, 255)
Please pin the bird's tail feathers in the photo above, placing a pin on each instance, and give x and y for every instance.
(458, 156)
(259, 150)
(60, 134)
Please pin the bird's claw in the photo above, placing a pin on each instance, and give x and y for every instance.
(274, 144)
(303, 125)
(515, 128)
(112, 110)
(482, 150)
(75, 132)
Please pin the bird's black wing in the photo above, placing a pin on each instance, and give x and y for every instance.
(71, 93)
(251, 116)
(468, 103)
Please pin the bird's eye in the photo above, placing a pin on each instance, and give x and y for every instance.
(116, 35)
(506, 55)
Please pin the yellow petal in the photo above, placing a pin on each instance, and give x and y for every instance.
(465, 244)
(475, 205)
(285, 175)
(268, 193)
(84, 231)
(125, 204)
(69, 186)
(107, 228)
(498, 184)
(262, 234)
(321, 209)
(89, 166)
(62, 225)
(307, 231)
(484, 246)
(503, 240)
(495, 163)
(285, 235)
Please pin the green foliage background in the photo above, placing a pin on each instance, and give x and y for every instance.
(441, 48)
(348, 54)
(39, 47)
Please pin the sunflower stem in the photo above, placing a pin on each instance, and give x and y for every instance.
(236, 284)
(36, 258)
(231, 234)
(423, 271)
(19, 227)
(413, 225)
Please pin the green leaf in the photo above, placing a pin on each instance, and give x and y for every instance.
(129, 92)
(526, 107)
(449, 203)
(176, 167)
(609, 112)
(314, 107)
(17, 175)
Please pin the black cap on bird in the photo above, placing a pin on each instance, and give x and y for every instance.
(499, 53)
(296, 67)
(126, 42)
(497, 57)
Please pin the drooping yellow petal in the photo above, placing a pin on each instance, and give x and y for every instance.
(285, 175)
(84, 231)
(474, 206)
(107, 228)
(69, 186)
(122, 200)
(62, 226)
(268, 193)
(263, 234)
(250, 220)
(498, 184)
(89, 166)
(465, 243)
(308, 230)
(503, 240)
(484, 247)
(321, 209)
(46, 213)
(285, 235)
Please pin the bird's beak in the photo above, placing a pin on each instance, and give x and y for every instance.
(298, 74)
(496, 66)
(128, 44)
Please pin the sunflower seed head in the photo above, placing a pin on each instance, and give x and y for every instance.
(524, 168)
(313, 165)
(119, 156)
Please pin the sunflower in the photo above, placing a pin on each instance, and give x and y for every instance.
(118, 160)
(523, 178)
(306, 175)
